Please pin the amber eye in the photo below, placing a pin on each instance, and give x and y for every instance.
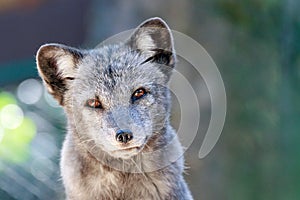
(139, 93)
(93, 103)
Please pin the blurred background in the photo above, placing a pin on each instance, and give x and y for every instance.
(255, 44)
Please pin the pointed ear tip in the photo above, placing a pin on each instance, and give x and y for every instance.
(48, 46)
(48, 50)
(44, 48)
(158, 19)
(155, 21)
(44, 53)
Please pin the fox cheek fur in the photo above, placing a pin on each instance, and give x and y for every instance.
(117, 103)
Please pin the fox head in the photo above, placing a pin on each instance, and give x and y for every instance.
(116, 97)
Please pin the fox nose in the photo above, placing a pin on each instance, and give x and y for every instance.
(124, 136)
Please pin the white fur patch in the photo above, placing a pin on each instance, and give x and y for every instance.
(145, 42)
(65, 66)
(65, 62)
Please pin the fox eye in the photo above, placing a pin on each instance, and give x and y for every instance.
(138, 94)
(94, 103)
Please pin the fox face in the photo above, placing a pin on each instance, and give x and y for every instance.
(116, 97)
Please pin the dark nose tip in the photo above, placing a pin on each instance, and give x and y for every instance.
(124, 136)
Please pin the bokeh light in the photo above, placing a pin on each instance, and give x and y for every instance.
(30, 91)
(16, 142)
(16, 130)
(6, 98)
(1, 133)
(11, 116)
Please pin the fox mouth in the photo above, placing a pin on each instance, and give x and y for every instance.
(130, 149)
(133, 148)
(127, 152)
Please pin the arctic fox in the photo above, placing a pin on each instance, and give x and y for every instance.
(119, 144)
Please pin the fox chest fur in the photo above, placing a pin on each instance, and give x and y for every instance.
(120, 144)
(90, 179)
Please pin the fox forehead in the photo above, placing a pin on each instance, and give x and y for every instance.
(117, 67)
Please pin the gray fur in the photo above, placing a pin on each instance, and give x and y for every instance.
(92, 164)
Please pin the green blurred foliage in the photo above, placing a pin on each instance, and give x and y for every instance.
(14, 143)
(6, 98)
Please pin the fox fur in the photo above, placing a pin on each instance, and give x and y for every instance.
(97, 89)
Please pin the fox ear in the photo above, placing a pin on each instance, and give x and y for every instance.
(57, 66)
(154, 38)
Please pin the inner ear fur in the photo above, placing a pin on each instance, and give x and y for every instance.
(154, 39)
(57, 65)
